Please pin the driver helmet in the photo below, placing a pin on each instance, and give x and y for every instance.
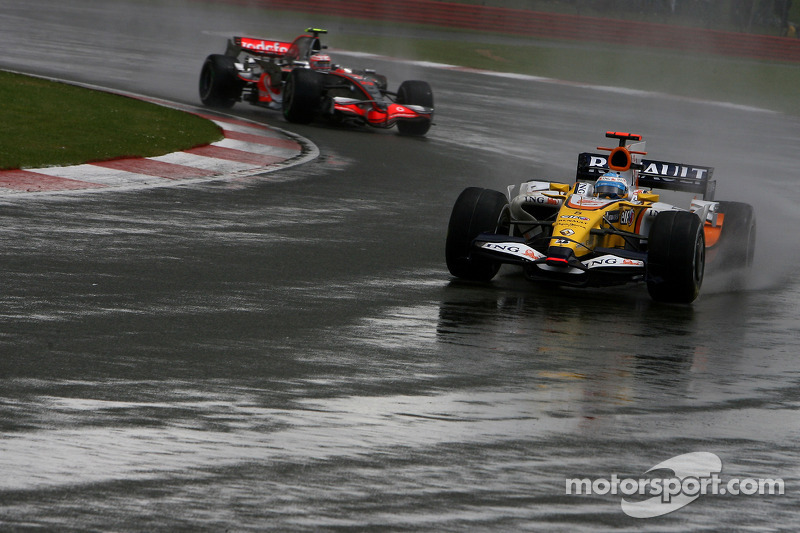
(611, 185)
(320, 62)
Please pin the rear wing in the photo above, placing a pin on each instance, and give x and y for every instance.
(257, 46)
(654, 174)
(301, 49)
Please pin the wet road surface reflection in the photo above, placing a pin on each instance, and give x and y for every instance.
(415, 402)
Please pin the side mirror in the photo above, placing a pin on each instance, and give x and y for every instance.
(563, 188)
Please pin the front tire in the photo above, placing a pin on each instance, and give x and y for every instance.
(415, 92)
(302, 96)
(476, 211)
(220, 85)
(675, 257)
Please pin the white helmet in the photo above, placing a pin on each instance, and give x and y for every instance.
(320, 62)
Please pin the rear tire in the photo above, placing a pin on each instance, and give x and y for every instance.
(675, 257)
(414, 92)
(476, 211)
(220, 85)
(381, 81)
(302, 96)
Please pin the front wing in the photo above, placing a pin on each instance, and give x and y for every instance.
(605, 267)
(377, 115)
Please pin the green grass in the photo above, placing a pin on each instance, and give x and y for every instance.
(50, 124)
(769, 85)
(747, 82)
(724, 15)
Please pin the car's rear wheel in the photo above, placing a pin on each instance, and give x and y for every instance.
(220, 85)
(415, 92)
(476, 211)
(675, 257)
(302, 96)
(380, 80)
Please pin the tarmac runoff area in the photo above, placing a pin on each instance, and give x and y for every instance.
(248, 149)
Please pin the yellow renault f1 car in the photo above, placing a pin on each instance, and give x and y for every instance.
(608, 228)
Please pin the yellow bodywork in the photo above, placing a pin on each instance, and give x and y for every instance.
(579, 215)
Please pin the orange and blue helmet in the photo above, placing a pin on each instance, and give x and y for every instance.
(611, 185)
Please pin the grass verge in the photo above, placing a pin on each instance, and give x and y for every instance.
(47, 123)
(747, 82)
(768, 85)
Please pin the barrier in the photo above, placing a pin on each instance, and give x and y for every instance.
(549, 26)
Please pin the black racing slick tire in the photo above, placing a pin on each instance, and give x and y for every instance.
(220, 85)
(736, 246)
(302, 95)
(675, 257)
(381, 81)
(476, 211)
(415, 92)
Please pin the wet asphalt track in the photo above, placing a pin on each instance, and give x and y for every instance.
(289, 351)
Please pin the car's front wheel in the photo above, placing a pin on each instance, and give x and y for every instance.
(220, 85)
(476, 211)
(415, 92)
(675, 257)
(302, 95)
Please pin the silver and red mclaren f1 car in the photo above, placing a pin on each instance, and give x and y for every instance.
(299, 79)
(606, 228)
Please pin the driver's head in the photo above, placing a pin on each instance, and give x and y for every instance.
(320, 62)
(611, 185)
